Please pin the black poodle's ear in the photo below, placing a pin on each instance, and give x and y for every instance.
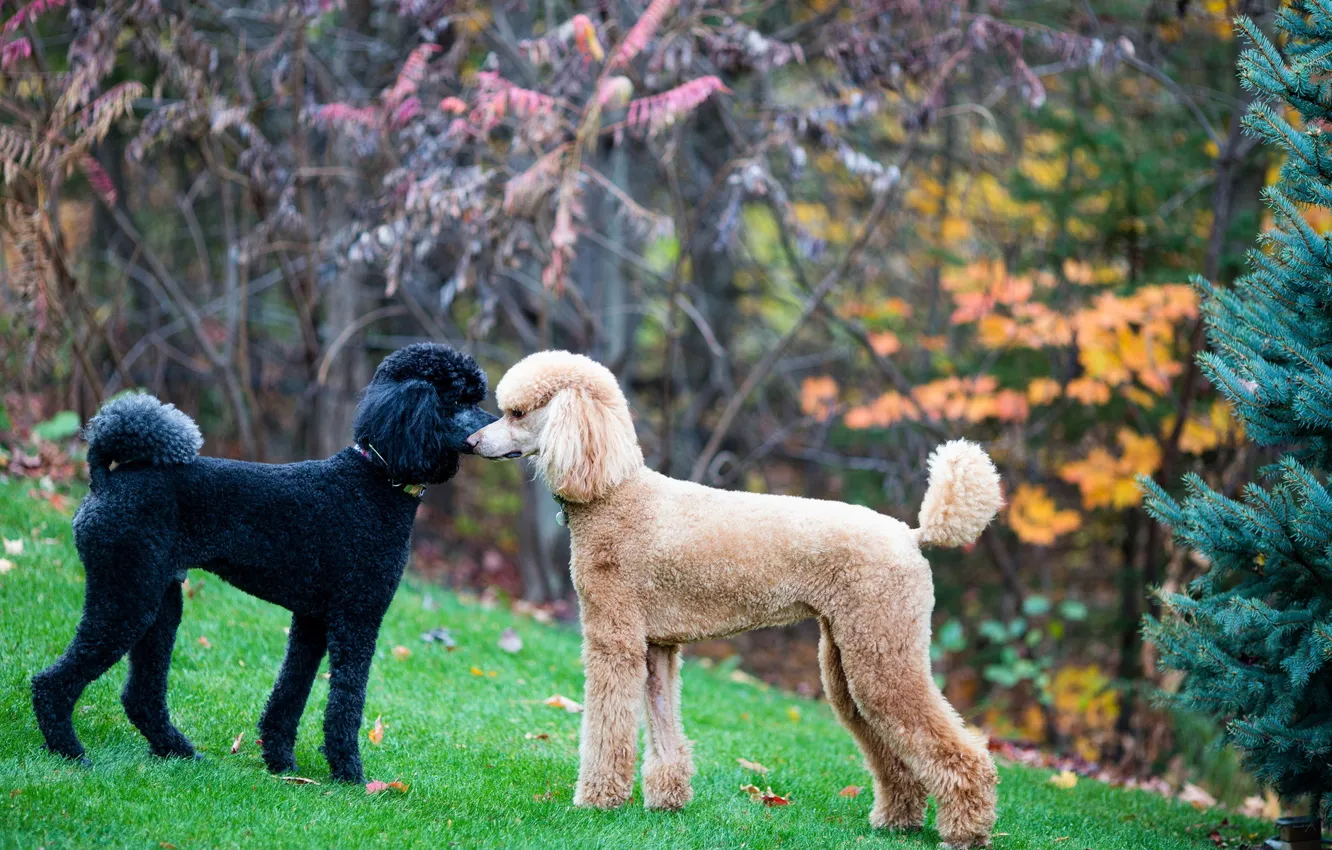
(403, 423)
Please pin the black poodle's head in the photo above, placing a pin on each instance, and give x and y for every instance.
(419, 410)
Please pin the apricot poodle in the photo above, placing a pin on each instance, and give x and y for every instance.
(659, 562)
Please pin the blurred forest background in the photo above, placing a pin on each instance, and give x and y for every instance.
(812, 238)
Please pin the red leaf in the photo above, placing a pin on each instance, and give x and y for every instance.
(850, 791)
(643, 30)
(236, 744)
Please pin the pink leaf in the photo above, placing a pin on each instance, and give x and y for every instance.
(662, 110)
(406, 111)
(345, 113)
(14, 51)
(100, 181)
(641, 33)
(413, 71)
(453, 105)
(31, 12)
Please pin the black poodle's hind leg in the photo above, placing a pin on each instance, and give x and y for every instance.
(112, 623)
(351, 647)
(144, 696)
(277, 726)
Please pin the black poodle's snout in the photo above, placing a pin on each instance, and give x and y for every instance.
(470, 421)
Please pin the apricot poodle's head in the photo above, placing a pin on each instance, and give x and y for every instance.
(567, 411)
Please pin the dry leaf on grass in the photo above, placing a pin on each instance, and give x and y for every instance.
(565, 703)
(236, 744)
(536, 736)
(1196, 797)
(751, 765)
(1267, 807)
(297, 780)
(850, 791)
(401, 653)
(510, 642)
(1064, 779)
(14, 547)
(205, 642)
(766, 797)
(378, 787)
(5, 565)
(377, 733)
(793, 712)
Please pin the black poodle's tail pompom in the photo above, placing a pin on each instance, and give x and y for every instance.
(403, 424)
(137, 428)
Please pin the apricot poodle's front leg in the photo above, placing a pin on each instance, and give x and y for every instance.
(614, 660)
(667, 763)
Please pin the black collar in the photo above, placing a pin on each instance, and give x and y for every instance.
(417, 490)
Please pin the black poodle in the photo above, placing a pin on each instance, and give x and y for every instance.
(326, 539)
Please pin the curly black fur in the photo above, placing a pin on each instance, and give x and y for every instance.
(328, 540)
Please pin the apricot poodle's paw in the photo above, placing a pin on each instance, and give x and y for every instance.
(903, 809)
(602, 792)
(666, 786)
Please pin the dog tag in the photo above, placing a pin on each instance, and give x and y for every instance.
(561, 520)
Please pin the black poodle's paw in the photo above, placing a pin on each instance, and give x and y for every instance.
(177, 748)
(75, 755)
(285, 763)
(351, 774)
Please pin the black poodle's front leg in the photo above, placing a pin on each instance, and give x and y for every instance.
(282, 715)
(351, 647)
(144, 696)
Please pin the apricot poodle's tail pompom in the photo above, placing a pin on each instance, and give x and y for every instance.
(137, 428)
(962, 498)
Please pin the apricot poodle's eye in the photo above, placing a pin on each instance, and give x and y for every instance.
(516, 414)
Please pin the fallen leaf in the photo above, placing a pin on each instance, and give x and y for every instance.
(766, 797)
(377, 733)
(793, 712)
(440, 635)
(536, 736)
(850, 791)
(565, 703)
(205, 642)
(14, 547)
(236, 744)
(751, 765)
(298, 780)
(5, 565)
(377, 787)
(1196, 797)
(1062, 838)
(1064, 779)
(477, 671)
(191, 589)
(166, 845)
(401, 653)
(510, 642)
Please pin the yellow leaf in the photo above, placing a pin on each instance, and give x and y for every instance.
(377, 732)
(565, 703)
(1043, 391)
(477, 671)
(1034, 517)
(793, 712)
(1065, 779)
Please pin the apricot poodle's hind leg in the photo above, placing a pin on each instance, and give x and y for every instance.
(614, 662)
(667, 763)
(899, 798)
(888, 674)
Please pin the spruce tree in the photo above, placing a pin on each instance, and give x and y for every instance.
(1253, 634)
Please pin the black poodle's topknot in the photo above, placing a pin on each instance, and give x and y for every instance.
(455, 375)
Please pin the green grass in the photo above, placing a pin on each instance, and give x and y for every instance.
(460, 741)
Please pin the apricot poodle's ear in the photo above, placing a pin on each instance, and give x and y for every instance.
(588, 446)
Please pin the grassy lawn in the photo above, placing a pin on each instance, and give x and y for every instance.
(466, 744)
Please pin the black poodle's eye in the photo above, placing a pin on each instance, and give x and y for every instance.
(516, 414)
